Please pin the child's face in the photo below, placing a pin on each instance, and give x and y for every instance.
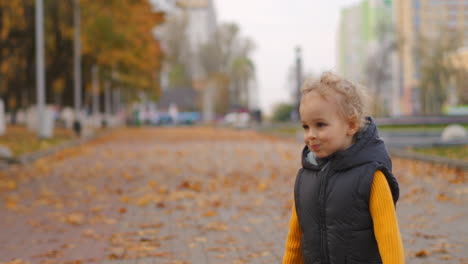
(325, 130)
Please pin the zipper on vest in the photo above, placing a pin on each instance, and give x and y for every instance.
(323, 226)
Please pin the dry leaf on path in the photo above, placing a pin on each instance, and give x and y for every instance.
(16, 261)
(422, 253)
(117, 253)
(75, 218)
(210, 213)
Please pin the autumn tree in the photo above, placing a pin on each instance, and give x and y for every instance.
(17, 52)
(120, 40)
(59, 47)
(282, 112)
(436, 70)
(459, 81)
(177, 59)
(242, 72)
(226, 57)
(116, 35)
(379, 68)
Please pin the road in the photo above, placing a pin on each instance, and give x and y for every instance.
(195, 195)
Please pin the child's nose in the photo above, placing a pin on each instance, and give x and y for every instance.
(310, 135)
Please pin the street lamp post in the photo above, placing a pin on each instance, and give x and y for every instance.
(77, 68)
(298, 79)
(95, 108)
(40, 72)
(107, 102)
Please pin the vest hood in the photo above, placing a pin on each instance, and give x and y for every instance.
(368, 147)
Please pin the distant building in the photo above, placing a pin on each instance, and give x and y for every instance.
(351, 44)
(164, 5)
(202, 22)
(365, 51)
(186, 99)
(427, 18)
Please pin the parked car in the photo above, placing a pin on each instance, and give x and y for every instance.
(188, 118)
(183, 118)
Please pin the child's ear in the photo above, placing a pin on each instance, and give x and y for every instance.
(353, 126)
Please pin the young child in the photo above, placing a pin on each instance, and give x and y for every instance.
(345, 193)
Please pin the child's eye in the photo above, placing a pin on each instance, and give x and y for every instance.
(320, 124)
(305, 126)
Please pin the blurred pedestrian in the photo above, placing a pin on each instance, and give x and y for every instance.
(345, 193)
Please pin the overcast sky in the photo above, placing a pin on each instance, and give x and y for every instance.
(277, 27)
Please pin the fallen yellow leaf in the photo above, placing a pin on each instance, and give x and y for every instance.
(11, 204)
(152, 184)
(442, 197)
(75, 218)
(422, 253)
(210, 213)
(17, 261)
(8, 184)
(127, 176)
(125, 199)
(262, 186)
(117, 253)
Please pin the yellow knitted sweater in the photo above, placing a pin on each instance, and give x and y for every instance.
(385, 221)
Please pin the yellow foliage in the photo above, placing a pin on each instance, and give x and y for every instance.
(58, 86)
(119, 35)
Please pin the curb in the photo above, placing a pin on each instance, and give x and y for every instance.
(33, 156)
(452, 163)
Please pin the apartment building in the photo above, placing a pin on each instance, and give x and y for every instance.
(426, 18)
(366, 52)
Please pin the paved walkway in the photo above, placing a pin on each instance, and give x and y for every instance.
(194, 196)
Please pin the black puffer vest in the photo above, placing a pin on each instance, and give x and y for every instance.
(332, 201)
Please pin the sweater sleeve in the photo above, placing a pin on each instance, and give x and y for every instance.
(293, 251)
(385, 220)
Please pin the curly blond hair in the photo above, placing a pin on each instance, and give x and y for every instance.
(352, 97)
